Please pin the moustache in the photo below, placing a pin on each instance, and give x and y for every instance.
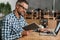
(20, 13)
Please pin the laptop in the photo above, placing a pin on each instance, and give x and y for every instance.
(51, 33)
(32, 26)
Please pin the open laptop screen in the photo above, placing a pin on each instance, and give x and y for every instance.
(57, 28)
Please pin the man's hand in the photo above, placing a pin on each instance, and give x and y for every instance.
(44, 30)
(26, 33)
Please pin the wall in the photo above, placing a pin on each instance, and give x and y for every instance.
(36, 3)
(44, 4)
(57, 4)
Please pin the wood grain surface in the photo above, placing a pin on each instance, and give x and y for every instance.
(36, 36)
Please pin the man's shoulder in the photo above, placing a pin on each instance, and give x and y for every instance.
(9, 16)
(22, 18)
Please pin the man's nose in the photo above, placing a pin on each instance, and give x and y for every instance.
(24, 11)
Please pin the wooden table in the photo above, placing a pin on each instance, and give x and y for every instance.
(36, 36)
(52, 23)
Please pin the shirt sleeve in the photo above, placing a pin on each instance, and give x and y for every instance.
(25, 23)
(6, 31)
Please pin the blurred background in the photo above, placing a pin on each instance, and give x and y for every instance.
(44, 12)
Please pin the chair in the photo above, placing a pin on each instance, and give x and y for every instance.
(44, 22)
(0, 29)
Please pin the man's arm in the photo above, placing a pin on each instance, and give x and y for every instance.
(24, 22)
(6, 31)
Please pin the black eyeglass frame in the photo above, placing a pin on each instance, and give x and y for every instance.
(23, 7)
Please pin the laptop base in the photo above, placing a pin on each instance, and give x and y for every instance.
(47, 34)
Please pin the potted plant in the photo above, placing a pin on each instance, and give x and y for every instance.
(2, 5)
(5, 8)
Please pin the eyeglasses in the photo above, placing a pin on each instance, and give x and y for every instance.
(23, 7)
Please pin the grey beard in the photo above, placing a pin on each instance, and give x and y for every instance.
(20, 14)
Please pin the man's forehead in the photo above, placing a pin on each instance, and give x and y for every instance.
(23, 4)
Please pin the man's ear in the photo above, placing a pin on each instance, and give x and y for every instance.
(17, 6)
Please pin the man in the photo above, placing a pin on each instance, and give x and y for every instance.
(13, 22)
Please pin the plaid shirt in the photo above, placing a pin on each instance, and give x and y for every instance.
(12, 27)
